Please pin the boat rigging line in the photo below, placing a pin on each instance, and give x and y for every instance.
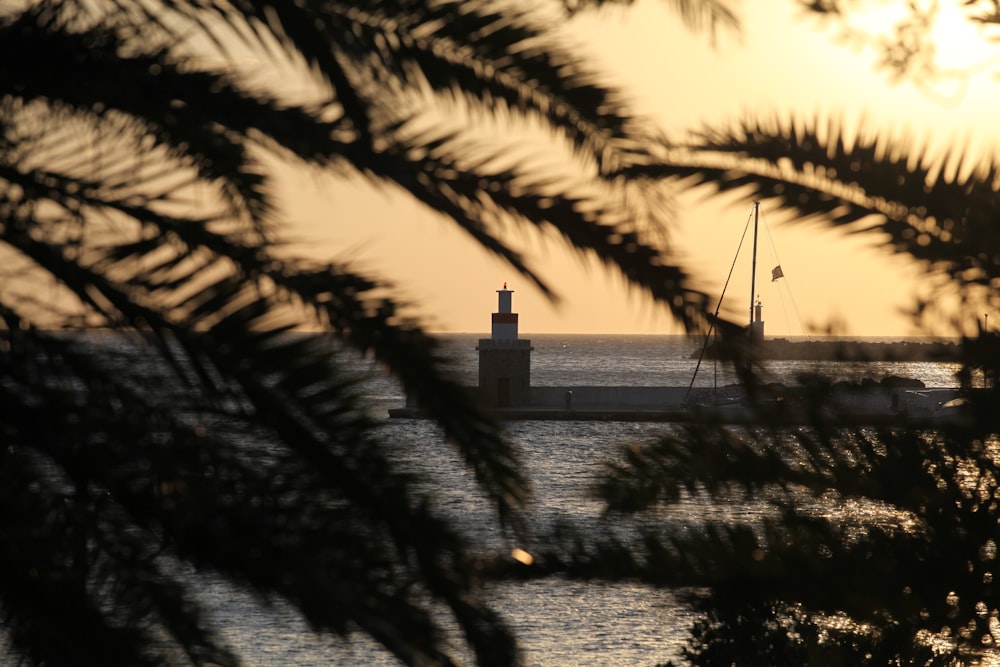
(780, 274)
(718, 307)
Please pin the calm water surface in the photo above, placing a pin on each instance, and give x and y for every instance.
(558, 623)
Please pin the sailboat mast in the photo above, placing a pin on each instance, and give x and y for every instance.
(753, 270)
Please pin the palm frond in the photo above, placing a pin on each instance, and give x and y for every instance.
(938, 209)
(220, 437)
(893, 523)
(296, 394)
(491, 58)
(483, 193)
(698, 15)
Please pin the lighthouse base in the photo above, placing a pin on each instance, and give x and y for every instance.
(504, 372)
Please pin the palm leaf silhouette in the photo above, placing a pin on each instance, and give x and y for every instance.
(935, 208)
(219, 430)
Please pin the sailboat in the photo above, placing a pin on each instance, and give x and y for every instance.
(891, 399)
(751, 400)
(755, 326)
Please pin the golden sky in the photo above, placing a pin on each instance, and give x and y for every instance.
(781, 63)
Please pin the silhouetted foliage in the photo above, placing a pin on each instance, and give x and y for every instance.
(136, 187)
(863, 546)
(207, 434)
(710, 15)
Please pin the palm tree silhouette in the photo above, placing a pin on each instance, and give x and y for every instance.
(870, 546)
(137, 196)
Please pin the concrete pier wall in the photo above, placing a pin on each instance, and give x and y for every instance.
(878, 400)
(864, 401)
(869, 405)
(583, 398)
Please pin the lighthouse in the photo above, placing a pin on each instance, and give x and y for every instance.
(504, 359)
(757, 325)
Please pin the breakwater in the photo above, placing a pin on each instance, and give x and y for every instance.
(850, 350)
(871, 404)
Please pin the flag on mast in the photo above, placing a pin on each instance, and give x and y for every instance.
(776, 273)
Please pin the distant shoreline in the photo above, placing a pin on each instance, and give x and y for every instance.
(698, 339)
(847, 350)
(851, 350)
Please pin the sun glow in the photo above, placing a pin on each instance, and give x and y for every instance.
(937, 45)
(962, 44)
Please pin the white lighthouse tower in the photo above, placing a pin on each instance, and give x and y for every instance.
(504, 359)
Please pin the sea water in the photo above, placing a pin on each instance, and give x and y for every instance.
(558, 623)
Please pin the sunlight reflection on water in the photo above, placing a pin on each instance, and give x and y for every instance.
(559, 623)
